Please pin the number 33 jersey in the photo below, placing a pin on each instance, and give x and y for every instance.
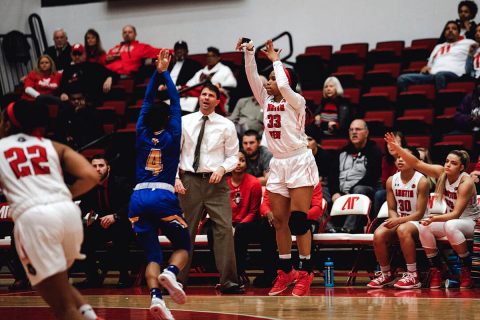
(30, 172)
(406, 193)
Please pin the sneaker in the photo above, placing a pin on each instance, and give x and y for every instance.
(466, 281)
(382, 279)
(168, 280)
(409, 280)
(302, 286)
(283, 281)
(159, 310)
(435, 278)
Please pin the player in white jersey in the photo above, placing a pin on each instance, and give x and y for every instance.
(458, 190)
(407, 197)
(48, 228)
(293, 172)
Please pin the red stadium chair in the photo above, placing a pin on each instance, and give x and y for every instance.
(415, 121)
(419, 141)
(323, 51)
(350, 76)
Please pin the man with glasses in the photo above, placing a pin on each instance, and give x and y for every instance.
(356, 171)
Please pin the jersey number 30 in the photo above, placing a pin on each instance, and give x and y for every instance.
(34, 161)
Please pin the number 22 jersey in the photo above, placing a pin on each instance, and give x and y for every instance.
(30, 173)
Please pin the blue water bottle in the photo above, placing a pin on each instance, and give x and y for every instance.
(328, 273)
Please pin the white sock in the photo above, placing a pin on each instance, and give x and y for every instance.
(412, 267)
(305, 257)
(285, 256)
(385, 269)
(87, 312)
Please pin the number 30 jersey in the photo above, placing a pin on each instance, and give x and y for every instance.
(406, 193)
(30, 173)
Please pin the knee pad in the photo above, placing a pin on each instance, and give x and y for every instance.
(298, 223)
(178, 235)
(149, 242)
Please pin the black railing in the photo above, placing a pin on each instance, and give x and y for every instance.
(289, 53)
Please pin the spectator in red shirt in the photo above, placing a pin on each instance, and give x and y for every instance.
(43, 80)
(127, 56)
(94, 49)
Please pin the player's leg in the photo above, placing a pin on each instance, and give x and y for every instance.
(407, 234)
(382, 241)
(428, 235)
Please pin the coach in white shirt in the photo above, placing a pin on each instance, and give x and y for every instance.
(447, 61)
(209, 149)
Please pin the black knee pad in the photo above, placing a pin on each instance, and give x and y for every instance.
(298, 223)
(177, 233)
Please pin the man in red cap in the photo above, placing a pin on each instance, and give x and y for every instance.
(48, 228)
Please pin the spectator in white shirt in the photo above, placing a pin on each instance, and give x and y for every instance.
(447, 61)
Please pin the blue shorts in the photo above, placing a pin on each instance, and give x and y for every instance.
(149, 207)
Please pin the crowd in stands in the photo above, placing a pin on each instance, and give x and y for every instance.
(79, 79)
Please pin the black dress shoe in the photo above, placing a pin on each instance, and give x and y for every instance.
(235, 289)
(263, 281)
(346, 230)
(330, 230)
(124, 282)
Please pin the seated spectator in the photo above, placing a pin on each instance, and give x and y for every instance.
(93, 47)
(245, 196)
(92, 79)
(215, 71)
(43, 80)
(107, 207)
(447, 61)
(126, 57)
(332, 115)
(467, 10)
(248, 114)
(77, 123)
(182, 68)
(60, 51)
(322, 159)
(314, 214)
(389, 168)
(467, 116)
(357, 170)
(258, 157)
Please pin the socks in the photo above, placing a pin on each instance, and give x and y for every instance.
(285, 262)
(435, 260)
(385, 269)
(173, 269)
(466, 259)
(87, 312)
(412, 267)
(156, 293)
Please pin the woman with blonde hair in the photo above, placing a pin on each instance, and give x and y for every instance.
(457, 188)
(43, 80)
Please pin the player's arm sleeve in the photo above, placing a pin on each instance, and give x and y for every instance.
(175, 123)
(253, 78)
(293, 98)
(150, 93)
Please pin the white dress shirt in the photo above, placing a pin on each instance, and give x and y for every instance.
(176, 70)
(219, 144)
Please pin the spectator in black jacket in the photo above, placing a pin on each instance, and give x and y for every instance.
(105, 210)
(182, 68)
(467, 10)
(60, 51)
(90, 78)
(356, 171)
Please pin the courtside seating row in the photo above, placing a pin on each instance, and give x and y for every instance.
(352, 204)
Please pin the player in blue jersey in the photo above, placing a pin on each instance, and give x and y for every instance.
(154, 204)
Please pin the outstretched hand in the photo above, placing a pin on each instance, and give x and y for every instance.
(246, 45)
(270, 51)
(392, 142)
(163, 60)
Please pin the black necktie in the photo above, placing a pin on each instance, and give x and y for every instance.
(196, 159)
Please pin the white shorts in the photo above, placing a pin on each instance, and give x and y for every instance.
(48, 239)
(415, 223)
(293, 172)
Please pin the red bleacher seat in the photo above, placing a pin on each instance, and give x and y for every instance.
(415, 121)
(333, 144)
(382, 74)
(234, 57)
(323, 51)
(314, 95)
(416, 96)
(379, 121)
(350, 76)
(419, 141)
(117, 106)
(379, 98)
(350, 53)
(352, 94)
(385, 52)
(199, 57)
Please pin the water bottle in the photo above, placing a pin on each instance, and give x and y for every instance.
(328, 273)
(452, 283)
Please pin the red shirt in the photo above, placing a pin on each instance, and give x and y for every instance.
(314, 213)
(245, 199)
(131, 56)
(43, 84)
(101, 59)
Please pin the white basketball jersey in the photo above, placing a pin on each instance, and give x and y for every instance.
(30, 173)
(406, 193)
(472, 211)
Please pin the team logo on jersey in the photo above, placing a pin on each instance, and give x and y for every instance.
(155, 141)
(413, 185)
(21, 139)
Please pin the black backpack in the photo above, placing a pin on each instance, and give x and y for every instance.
(16, 47)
